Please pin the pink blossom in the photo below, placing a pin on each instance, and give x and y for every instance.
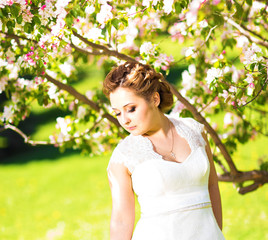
(10, 2)
(250, 89)
(43, 7)
(232, 89)
(249, 78)
(241, 101)
(215, 2)
(67, 49)
(251, 85)
(177, 108)
(223, 52)
(27, 16)
(71, 106)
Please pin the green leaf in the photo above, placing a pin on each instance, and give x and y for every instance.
(15, 9)
(218, 19)
(28, 27)
(19, 19)
(69, 20)
(115, 22)
(36, 20)
(239, 11)
(178, 7)
(40, 100)
(229, 4)
(124, 21)
(10, 26)
(74, 13)
(249, 2)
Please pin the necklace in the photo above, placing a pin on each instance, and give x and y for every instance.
(171, 152)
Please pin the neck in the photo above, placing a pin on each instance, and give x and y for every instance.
(160, 129)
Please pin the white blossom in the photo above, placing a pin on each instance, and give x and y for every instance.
(203, 24)
(242, 41)
(250, 55)
(147, 48)
(232, 89)
(105, 14)
(249, 79)
(189, 51)
(7, 114)
(81, 112)
(188, 80)
(64, 124)
(250, 89)
(53, 91)
(89, 10)
(94, 34)
(212, 74)
(179, 27)
(3, 83)
(168, 6)
(67, 68)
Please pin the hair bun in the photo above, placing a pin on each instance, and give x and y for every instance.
(142, 79)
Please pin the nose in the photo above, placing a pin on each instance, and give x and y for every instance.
(125, 119)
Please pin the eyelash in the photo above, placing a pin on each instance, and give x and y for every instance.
(129, 111)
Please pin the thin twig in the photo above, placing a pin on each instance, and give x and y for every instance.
(199, 48)
(256, 94)
(106, 51)
(25, 137)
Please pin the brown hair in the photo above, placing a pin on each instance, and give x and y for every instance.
(143, 79)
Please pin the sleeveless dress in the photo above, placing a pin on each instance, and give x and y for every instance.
(173, 197)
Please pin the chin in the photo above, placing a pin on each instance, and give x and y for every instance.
(134, 132)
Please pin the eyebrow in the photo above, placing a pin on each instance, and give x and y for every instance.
(123, 106)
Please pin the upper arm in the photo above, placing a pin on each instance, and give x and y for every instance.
(123, 201)
(213, 178)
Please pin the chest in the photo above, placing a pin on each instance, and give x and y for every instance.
(157, 176)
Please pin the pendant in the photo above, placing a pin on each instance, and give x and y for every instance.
(173, 154)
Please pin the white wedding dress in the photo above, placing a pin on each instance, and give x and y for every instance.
(173, 197)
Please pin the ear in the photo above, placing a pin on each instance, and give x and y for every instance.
(156, 99)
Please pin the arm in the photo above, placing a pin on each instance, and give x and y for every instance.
(123, 203)
(213, 187)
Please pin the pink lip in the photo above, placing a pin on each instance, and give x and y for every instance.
(130, 128)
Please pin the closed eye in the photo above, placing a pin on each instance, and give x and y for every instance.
(132, 109)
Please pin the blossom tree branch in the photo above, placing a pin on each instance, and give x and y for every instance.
(246, 33)
(81, 97)
(106, 51)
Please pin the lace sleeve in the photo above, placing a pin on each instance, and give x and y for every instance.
(196, 127)
(119, 156)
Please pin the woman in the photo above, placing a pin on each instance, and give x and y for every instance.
(165, 161)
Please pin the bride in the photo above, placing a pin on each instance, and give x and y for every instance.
(166, 161)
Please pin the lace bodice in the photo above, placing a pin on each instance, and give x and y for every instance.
(134, 150)
(174, 198)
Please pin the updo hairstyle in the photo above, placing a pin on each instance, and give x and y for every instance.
(143, 79)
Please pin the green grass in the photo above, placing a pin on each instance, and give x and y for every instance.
(45, 193)
(37, 196)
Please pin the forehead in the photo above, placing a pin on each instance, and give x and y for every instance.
(123, 96)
